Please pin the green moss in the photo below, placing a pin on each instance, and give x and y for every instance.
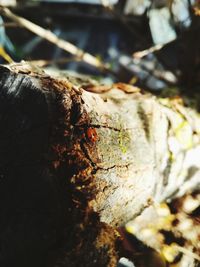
(124, 140)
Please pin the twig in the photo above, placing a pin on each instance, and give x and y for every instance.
(141, 54)
(5, 55)
(43, 62)
(51, 37)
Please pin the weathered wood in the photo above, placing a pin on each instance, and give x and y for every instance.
(75, 165)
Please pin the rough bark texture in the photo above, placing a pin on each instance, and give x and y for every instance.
(75, 165)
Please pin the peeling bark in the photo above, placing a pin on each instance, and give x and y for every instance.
(97, 159)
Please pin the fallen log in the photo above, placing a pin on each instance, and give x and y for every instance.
(76, 165)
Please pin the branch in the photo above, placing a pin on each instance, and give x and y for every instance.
(51, 37)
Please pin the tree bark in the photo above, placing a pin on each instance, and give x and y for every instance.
(75, 165)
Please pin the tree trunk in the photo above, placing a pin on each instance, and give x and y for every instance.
(75, 165)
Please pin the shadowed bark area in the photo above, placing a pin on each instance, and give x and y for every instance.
(45, 219)
(31, 203)
(75, 165)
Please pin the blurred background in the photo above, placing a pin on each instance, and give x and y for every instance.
(154, 44)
